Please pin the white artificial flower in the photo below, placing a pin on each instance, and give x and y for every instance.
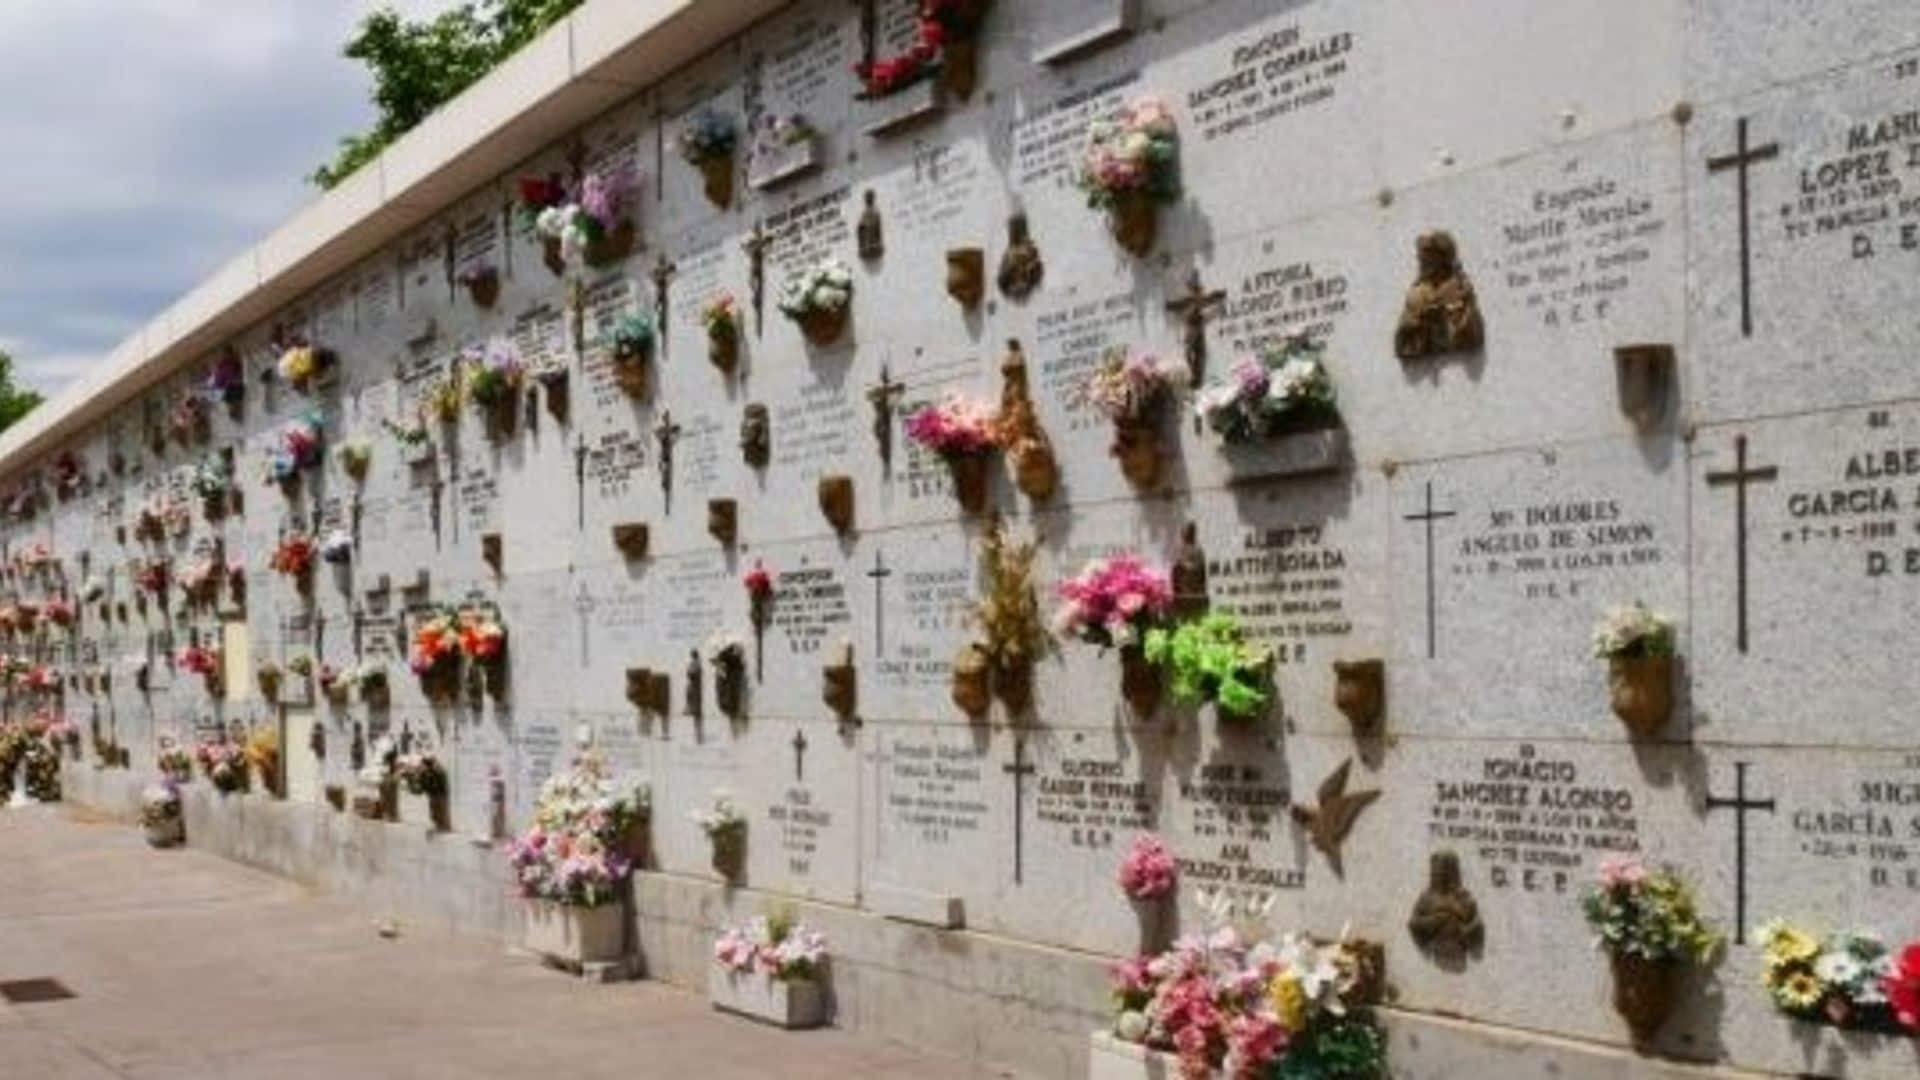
(1838, 968)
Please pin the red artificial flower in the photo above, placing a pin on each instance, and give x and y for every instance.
(1902, 985)
(541, 193)
(759, 581)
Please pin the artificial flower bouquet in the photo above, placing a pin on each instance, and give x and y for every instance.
(301, 365)
(1149, 873)
(1134, 391)
(483, 640)
(579, 848)
(758, 582)
(227, 380)
(434, 655)
(494, 375)
(589, 222)
(1113, 603)
(293, 558)
(297, 448)
(482, 282)
(707, 141)
(1282, 391)
(1209, 659)
(213, 484)
(263, 753)
(223, 763)
(948, 33)
(336, 548)
(356, 458)
(1650, 926)
(1638, 645)
(720, 315)
(174, 762)
(150, 576)
(69, 475)
(818, 299)
(1283, 1009)
(1843, 979)
(204, 661)
(963, 432)
(60, 612)
(774, 946)
(632, 337)
(1130, 168)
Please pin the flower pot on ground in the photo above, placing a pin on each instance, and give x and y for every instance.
(771, 969)
(161, 819)
(794, 1005)
(573, 936)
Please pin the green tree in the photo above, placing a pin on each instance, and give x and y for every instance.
(419, 66)
(15, 402)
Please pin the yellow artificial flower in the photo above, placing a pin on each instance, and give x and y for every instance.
(1787, 945)
(1289, 1002)
(1800, 991)
(297, 365)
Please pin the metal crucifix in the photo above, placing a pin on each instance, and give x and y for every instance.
(1195, 308)
(882, 396)
(666, 433)
(662, 277)
(755, 245)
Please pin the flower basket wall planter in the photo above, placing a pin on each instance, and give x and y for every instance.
(1112, 1058)
(793, 1005)
(823, 326)
(1135, 222)
(1642, 691)
(1644, 992)
(572, 936)
(1300, 454)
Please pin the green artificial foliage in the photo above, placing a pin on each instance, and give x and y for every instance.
(1350, 1048)
(1210, 660)
(419, 66)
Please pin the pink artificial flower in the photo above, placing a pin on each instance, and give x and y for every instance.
(1149, 871)
(1621, 871)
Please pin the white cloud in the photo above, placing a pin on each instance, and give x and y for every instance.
(151, 140)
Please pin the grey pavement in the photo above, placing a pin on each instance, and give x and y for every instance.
(184, 965)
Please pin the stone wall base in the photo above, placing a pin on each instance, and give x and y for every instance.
(1001, 1003)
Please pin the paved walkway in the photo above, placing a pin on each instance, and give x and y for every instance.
(185, 965)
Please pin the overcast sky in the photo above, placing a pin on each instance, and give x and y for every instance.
(148, 141)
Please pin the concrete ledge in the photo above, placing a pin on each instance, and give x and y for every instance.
(995, 1002)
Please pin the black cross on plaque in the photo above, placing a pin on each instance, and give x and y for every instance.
(799, 755)
(882, 395)
(1742, 157)
(666, 432)
(1429, 517)
(1019, 770)
(359, 629)
(662, 276)
(879, 574)
(755, 246)
(580, 484)
(1740, 477)
(1739, 804)
(1194, 309)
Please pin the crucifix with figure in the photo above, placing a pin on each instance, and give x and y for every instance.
(755, 245)
(666, 433)
(1428, 517)
(882, 395)
(1739, 478)
(879, 574)
(1742, 157)
(799, 755)
(1195, 308)
(662, 277)
(1020, 769)
(1739, 804)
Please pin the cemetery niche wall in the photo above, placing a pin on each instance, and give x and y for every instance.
(1473, 452)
